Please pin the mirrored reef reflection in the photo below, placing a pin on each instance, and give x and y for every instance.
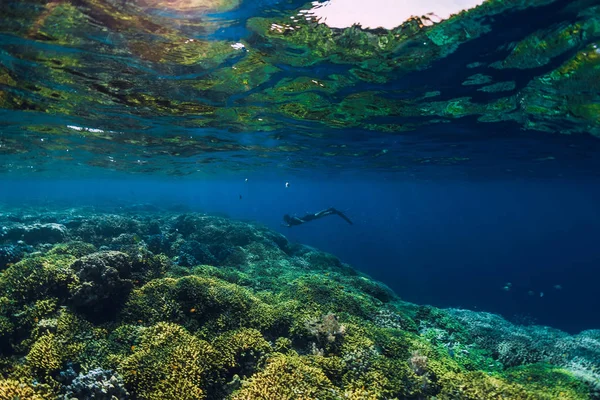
(201, 86)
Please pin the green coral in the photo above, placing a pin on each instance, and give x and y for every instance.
(287, 376)
(235, 346)
(49, 355)
(198, 302)
(38, 277)
(558, 382)
(170, 363)
(12, 389)
(478, 385)
(74, 248)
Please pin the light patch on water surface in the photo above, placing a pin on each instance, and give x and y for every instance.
(386, 13)
(79, 128)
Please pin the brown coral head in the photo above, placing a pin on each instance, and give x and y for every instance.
(418, 363)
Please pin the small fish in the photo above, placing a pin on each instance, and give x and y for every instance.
(557, 287)
(541, 294)
(240, 196)
(192, 310)
(246, 180)
(506, 288)
(287, 184)
(531, 293)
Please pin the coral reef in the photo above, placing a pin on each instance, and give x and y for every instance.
(10, 254)
(13, 389)
(35, 233)
(101, 284)
(97, 384)
(112, 312)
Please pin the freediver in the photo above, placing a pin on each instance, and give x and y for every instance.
(293, 221)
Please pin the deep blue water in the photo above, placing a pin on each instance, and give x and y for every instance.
(450, 243)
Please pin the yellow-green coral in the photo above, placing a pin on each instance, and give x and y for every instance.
(243, 343)
(168, 362)
(11, 389)
(323, 293)
(287, 377)
(549, 381)
(198, 302)
(75, 249)
(38, 277)
(46, 355)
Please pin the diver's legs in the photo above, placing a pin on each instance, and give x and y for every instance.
(326, 212)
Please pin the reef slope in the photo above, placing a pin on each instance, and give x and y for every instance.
(152, 304)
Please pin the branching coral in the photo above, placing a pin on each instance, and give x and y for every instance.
(38, 277)
(170, 363)
(48, 355)
(241, 349)
(15, 390)
(287, 377)
(198, 302)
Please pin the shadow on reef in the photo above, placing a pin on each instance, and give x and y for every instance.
(161, 305)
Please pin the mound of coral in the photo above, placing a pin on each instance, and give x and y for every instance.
(162, 305)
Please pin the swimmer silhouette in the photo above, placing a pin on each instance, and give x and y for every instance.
(293, 221)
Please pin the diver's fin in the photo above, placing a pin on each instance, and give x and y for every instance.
(341, 214)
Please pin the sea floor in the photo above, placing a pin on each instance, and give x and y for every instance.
(150, 303)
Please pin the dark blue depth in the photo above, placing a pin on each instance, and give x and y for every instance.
(450, 244)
